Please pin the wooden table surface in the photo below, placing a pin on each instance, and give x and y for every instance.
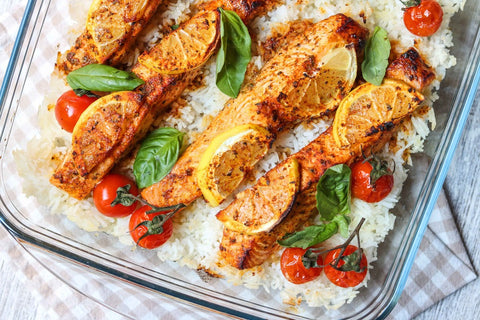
(462, 186)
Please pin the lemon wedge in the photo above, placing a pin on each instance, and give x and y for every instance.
(262, 207)
(228, 158)
(109, 22)
(338, 72)
(333, 79)
(368, 109)
(187, 47)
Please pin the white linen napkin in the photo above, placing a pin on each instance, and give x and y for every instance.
(434, 274)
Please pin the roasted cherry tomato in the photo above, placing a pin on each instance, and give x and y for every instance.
(148, 230)
(356, 269)
(293, 269)
(69, 107)
(424, 19)
(106, 191)
(372, 181)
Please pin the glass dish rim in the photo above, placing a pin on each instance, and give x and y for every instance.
(416, 227)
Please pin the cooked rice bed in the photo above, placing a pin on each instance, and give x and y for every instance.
(197, 233)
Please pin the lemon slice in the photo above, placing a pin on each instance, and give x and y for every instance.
(369, 109)
(187, 47)
(262, 207)
(102, 126)
(109, 22)
(228, 158)
(334, 78)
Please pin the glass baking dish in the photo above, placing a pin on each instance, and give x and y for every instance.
(30, 224)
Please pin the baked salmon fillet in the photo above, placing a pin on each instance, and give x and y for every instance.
(286, 91)
(115, 123)
(112, 27)
(242, 248)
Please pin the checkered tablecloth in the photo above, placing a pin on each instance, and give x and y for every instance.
(441, 266)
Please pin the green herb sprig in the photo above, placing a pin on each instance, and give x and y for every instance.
(315, 234)
(100, 77)
(234, 54)
(157, 155)
(377, 52)
(333, 192)
(333, 204)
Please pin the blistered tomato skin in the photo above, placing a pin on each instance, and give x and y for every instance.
(362, 187)
(69, 107)
(293, 269)
(150, 241)
(344, 279)
(106, 191)
(425, 19)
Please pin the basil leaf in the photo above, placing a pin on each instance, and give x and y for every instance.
(342, 222)
(157, 155)
(377, 52)
(309, 236)
(100, 77)
(234, 54)
(333, 192)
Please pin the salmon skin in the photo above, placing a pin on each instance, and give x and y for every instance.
(277, 98)
(112, 132)
(121, 20)
(242, 250)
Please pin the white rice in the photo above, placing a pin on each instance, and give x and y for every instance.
(197, 233)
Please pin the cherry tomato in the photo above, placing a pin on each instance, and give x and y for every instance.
(69, 107)
(362, 186)
(293, 269)
(156, 236)
(425, 19)
(345, 279)
(106, 191)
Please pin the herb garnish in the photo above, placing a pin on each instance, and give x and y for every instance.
(100, 77)
(333, 192)
(315, 234)
(234, 54)
(157, 155)
(333, 204)
(377, 52)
